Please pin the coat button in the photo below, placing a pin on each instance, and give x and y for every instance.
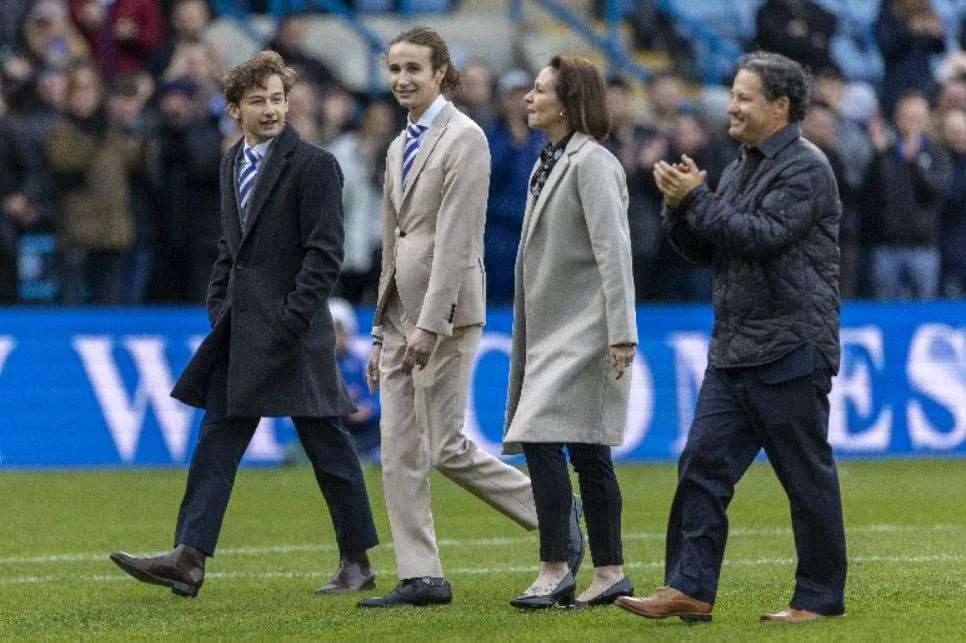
(239, 266)
(402, 233)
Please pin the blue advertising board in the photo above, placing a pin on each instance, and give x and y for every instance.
(89, 387)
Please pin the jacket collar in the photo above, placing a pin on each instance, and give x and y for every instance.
(430, 138)
(268, 174)
(778, 141)
(536, 206)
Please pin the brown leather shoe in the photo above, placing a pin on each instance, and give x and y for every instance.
(353, 575)
(182, 569)
(792, 615)
(665, 602)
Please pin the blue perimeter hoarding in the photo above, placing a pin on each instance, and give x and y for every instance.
(89, 387)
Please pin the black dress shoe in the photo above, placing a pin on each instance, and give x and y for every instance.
(351, 576)
(182, 569)
(575, 539)
(414, 591)
(623, 587)
(562, 594)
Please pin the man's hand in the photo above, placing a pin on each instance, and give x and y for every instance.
(372, 368)
(677, 181)
(621, 356)
(419, 345)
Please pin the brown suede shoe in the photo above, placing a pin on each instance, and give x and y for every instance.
(353, 575)
(792, 615)
(182, 569)
(665, 602)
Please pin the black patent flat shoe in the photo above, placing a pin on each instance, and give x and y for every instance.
(562, 595)
(623, 587)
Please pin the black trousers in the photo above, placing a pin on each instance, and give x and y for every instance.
(783, 408)
(221, 444)
(553, 495)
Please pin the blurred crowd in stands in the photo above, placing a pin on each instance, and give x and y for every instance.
(112, 126)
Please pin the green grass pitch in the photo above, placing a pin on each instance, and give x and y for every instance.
(906, 525)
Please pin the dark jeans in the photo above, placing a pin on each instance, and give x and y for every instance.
(220, 447)
(783, 408)
(553, 496)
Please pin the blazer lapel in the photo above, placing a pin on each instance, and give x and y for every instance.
(430, 138)
(229, 196)
(394, 159)
(531, 201)
(561, 167)
(274, 163)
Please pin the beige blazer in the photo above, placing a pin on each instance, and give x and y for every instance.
(432, 242)
(573, 299)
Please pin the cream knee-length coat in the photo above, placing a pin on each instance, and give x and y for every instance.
(573, 299)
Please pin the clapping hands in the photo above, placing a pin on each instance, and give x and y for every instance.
(676, 181)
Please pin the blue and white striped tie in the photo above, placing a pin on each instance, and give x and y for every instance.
(246, 179)
(414, 136)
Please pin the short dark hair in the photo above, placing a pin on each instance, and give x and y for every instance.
(439, 53)
(254, 72)
(580, 88)
(780, 76)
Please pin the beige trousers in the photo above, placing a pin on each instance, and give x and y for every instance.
(422, 427)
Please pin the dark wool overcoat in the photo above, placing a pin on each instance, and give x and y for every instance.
(267, 300)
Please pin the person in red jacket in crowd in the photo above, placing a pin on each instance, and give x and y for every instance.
(122, 34)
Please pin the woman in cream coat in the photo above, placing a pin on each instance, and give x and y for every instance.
(574, 332)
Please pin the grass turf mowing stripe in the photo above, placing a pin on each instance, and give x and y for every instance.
(471, 571)
(469, 542)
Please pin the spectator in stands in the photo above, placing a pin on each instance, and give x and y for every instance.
(303, 111)
(475, 98)
(89, 162)
(51, 38)
(187, 22)
(48, 98)
(850, 145)
(637, 147)
(799, 29)
(910, 179)
(665, 97)
(126, 112)
(909, 33)
(198, 62)
(22, 197)
(953, 238)
(820, 126)
(362, 156)
(289, 41)
(952, 95)
(13, 15)
(338, 110)
(123, 34)
(188, 157)
(654, 30)
(363, 425)
(513, 149)
(854, 145)
(678, 279)
(14, 67)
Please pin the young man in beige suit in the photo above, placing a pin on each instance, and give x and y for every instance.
(429, 318)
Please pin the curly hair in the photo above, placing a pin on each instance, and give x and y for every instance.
(254, 72)
(439, 53)
(780, 76)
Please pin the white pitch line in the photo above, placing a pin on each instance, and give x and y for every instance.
(257, 550)
(471, 571)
